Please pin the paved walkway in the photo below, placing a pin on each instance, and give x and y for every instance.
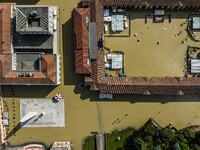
(100, 141)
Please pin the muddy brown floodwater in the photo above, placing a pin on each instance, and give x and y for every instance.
(147, 58)
(84, 112)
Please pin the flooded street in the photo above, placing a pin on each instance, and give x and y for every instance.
(84, 112)
(84, 115)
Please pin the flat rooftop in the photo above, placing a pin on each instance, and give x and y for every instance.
(147, 58)
(54, 112)
(26, 41)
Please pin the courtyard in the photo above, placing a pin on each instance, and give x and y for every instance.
(147, 57)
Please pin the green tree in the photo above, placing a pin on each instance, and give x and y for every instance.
(157, 147)
(139, 144)
(149, 130)
(167, 135)
(197, 137)
(176, 146)
(183, 142)
(194, 146)
(158, 141)
(184, 146)
(189, 135)
(148, 139)
(180, 138)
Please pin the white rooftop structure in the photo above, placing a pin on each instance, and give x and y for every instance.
(117, 60)
(117, 23)
(196, 23)
(50, 113)
(195, 66)
(159, 12)
(61, 146)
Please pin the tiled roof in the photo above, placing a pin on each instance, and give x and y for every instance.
(47, 75)
(48, 66)
(81, 39)
(5, 28)
(81, 27)
(81, 65)
(155, 81)
(154, 85)
(98, 69)
(5, 66)
(135, 85)
(96, 12)
(147, 3)
(149, 89)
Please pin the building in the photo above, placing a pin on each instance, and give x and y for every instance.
(61, 146)
(29, 50)
(132, 85)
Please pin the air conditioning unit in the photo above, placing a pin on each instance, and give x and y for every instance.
(28, 74)
(21, 74)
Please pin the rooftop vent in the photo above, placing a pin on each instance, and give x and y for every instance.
(28, 74)
(33, 14)
(20, 74)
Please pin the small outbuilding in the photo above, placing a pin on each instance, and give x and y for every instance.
(195, 66)
(196, 23)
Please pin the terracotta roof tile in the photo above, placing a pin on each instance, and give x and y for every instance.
(46, 76)
(5, 65)
(81, 39)
(48, 62)
(135, 85)
(98, 68)
(156, 85)
(48, 66)
(81, 66)
(151, 81)
(81, 27)
(5, 28)
(96, 12)
(144, 3)
(132, 89)
(88, 80)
